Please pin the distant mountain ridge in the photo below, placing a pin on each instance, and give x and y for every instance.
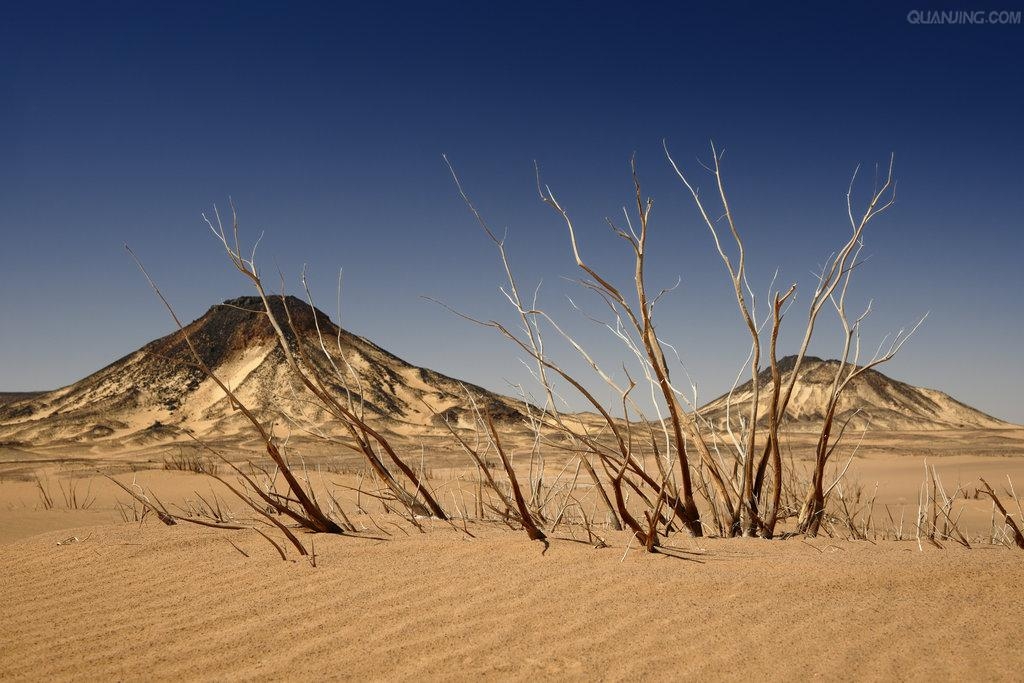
(158, 395)
(873, 400)
(158, 392)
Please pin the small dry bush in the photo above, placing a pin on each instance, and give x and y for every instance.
(186, 461)
(70, 494)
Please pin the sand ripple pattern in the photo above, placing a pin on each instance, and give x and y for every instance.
(181, 603)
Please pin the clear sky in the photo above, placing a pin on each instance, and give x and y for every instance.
(122, 123)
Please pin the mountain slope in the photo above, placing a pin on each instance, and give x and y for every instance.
(158, 395)
(158, 392)
(872, 400)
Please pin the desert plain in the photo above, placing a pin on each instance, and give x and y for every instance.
(89, 594)
(127, 552)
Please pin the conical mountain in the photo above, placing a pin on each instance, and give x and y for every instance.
(873, 400)
(159, 394)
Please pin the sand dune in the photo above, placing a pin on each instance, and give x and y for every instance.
(150, 602)
(147, 601)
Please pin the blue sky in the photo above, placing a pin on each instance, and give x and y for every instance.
(325, 124)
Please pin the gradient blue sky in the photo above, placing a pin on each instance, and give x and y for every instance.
(325, 123)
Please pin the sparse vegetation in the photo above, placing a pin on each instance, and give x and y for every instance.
(654, 475)
(71, 494)
(1006, 518)
(185, 461)
(936, 518)
(742, 487)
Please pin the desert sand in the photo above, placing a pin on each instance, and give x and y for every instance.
(87, 595)
(95, 589)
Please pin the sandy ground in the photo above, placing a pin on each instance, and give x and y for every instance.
(153, 602)
(146, 601)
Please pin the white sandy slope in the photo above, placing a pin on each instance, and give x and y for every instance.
(158, 395)
(872, 401)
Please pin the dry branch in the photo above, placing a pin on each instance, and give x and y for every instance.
(1018, 537)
